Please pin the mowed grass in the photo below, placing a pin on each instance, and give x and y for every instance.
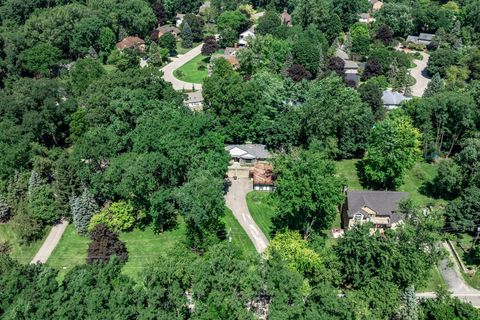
(412, 183)
(192, 71)
(182, 50)
(240, 239)
(23, 254)
(262, 210)
(434, 281)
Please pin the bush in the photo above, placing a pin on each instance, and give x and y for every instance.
(414, 46)
(43, 206)
(5, 210)
(119, 216)
(27, 228)
(105, 244)
(5, 248)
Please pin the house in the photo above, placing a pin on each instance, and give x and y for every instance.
(422, 38)
(365, 18)
(232, 51)
(204, 7)
(133, 43)
(194, 100)
(179, 19)
(286, 18)
(376, 5)
(339, 53)
(244, 36)
(233, 60)
(247, 154)
(350, 65)
(392, 99)
(262, 177)
(161, 30)
(377, 207)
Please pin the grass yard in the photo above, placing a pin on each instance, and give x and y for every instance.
(434, 281)
(240, 239)
(413, 180)
(194, 71)
(23, 254)
(463, 244)
(182, 50)
(262, 210)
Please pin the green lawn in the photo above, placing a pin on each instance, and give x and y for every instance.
(434, 281)
(239, 238)
(262, 210)
(182, 50)
(192, 71)
(463, 244)
(413, 180)
(23, 254)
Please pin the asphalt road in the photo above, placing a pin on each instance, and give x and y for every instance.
(236, 200)
(50, 243)
(420, 74)
(176, 63)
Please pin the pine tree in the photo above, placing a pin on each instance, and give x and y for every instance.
(321, 61)
(34, 182)
(347, 44)
(434, 86)
(4, 209)
(187, 36)
(335, 45)
(287, 65)
(409, 308)
(82, 208)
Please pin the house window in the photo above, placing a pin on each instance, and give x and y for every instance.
(248, 161)
(358, 217)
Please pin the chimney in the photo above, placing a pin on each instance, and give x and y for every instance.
(235, 45)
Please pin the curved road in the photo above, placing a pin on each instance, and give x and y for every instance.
(236, 200)
(176, 63)
(420, 74)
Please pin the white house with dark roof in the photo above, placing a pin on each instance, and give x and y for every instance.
(248, 154)
(377, 207)
(392, 99)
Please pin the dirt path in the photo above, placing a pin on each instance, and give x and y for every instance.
(50, 243)
(176, 63)
(236, 200)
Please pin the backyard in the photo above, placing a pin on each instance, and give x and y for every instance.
(194, 71)
(23, 254)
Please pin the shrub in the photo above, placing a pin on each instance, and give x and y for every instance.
(119, 216)
(5, 210)
(27, 228)
(105, 244)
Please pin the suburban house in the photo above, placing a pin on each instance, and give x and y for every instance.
(422, 38)
(247, 154)
(392, 99)
(262, 177)
(179, 19)
(204, 7)
(133, 43)
(350, 65)
(161, 30)
(194, 100)
(232, 51)
(233, 60)
(376, 5)
(365, 18)
(250, 33)
(377, 207)
(286, 18)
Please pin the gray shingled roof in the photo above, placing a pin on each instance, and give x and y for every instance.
(384, 203)
(341, 54)
(349, 64)
(426, 36)
(259, 151)
(393, 98)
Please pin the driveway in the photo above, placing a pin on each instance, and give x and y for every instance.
(420, 74)
(176, 63)
(236, 200)
(50, 243)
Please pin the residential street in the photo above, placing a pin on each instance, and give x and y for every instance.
(176, 63)
(50, 243)
(236, 201)
(420, 74)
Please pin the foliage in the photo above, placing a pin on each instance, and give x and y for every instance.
(298, 73)
(159, 11)
(307, 191)
(268, 23)
(210, 46)
(84, 72)
(124, 59)
(435, 86)
(119, 216)
(393, 148)
(232, 20)
(360, 38)
(398, 16)
(462, 214)
(169, 42)
(338, 65)
(40, 59)
(104, 245)
(384, 34)
(5, 209)
(43, 206)
(187, 36)
(373, 68)
(26, 227)
(371, 93)
(83, 207)
(195, 23)
(440, 60)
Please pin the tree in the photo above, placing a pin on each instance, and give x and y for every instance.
(393, 148)
(371, 93)
(349, 10)
(196, 24)
(297, 72)
(26, 228)
(106, 42)
(384, 34)
(232, 20)
(187, 36)
(335, 119)
(210, 46)
(398, 16)
(119, 216)
(435, 86)
(449, 180)
(84, 72)
(125, 59)
(360, 38)
(307, 192)
(169, 42)
(409, 308)
(159, 11)
(40, 59)
(104, 245)
(43, 206)
(83, 207)
(338, 65)
(5, 209)
(373, 68)
(440, 60)
(462, 214)
(268, 23)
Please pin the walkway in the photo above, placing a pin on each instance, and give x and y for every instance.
(420, 75)
(236, 200)
(50, 243)
(176, 63)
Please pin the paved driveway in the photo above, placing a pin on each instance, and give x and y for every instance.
(420, 74)
(50, 243)
(236, 200)
(176, 63)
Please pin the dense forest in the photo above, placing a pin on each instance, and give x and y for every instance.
(90, 136)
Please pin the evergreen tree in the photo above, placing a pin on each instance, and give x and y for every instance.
(287, 65)
(321, 61)
(34, 182)
(5, 209)
(82, 208)
(434, 86)
(347, 44)
(187, 36)
(409, 308)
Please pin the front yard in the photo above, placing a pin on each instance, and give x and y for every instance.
(194, 71)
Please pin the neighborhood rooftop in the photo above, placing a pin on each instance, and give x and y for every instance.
(249, 151)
